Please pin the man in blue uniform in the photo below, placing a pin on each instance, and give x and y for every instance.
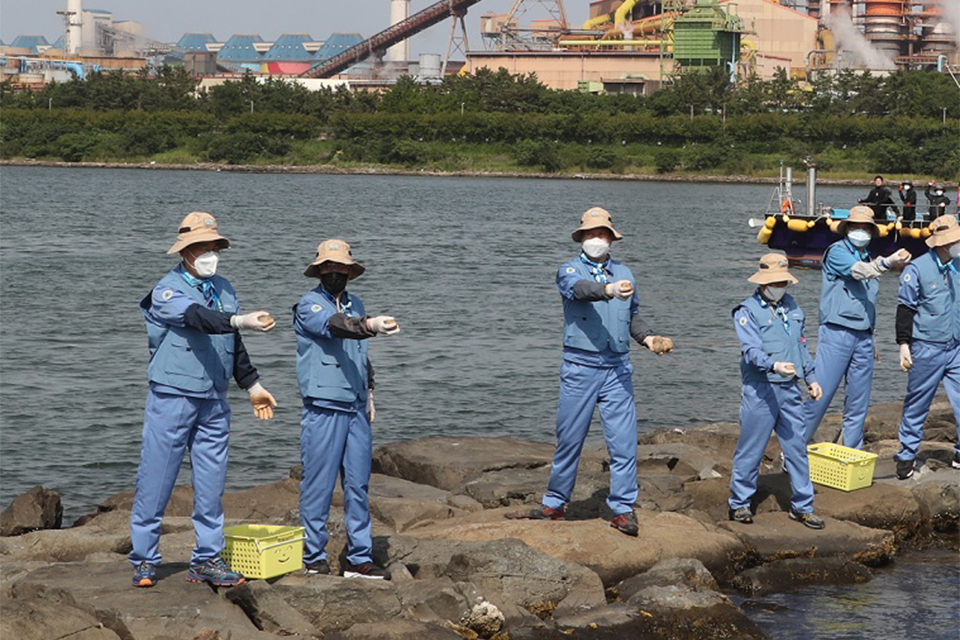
(336, 383)
(848, 300)
(601, 314)
(193, 322)
(774, 354)
(928, 332)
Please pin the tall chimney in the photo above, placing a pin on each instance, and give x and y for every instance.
(74, 29)
(398, 54)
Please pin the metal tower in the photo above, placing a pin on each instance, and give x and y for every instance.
(513, 36)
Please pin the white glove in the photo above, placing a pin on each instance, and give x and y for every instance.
(906, 360)
(262, 401)
(785, 369)
(622, 289)
(815, 391)
(371, 408)
(899, 259)
(256, 321)
(383, 325)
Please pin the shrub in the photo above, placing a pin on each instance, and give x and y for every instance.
(666, 160)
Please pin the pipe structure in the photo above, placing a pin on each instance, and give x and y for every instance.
(811, 187)
(885, 25)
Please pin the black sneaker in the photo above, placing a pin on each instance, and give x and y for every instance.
(320, 567)
(626, 523)
(365, 570)
(742, 515)
(955, 463)
(808, 520)
(904, 469)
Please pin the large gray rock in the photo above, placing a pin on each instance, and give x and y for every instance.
(395, 630)
(427, 460)
(174, 608)
(598, 546)
(687, 572)
(938, 497)
(774, 535)
(511, 572)
(332, 603)
(438, 600)
(402, 504)
(881, 506)
(36, 509)
(795, 572)
(268, 611)
(585, 591)
(50, 615)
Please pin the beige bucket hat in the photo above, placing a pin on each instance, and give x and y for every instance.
(593, 218)
(338, 251)
(773, 268)
(945, 230)
(861, 214)
(198, 227)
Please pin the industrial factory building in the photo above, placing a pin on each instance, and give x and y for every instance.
(625, 46)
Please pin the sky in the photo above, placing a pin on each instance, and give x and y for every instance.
(167, 20)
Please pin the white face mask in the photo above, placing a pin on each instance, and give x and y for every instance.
(906, 187)
(955, 250)
(774, 294)
(595, 248)
(939, 192)
(859, 237)
(205, 264)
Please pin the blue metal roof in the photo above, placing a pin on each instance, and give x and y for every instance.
(195, 41)
(239, 48)
(30, 42)
(337, 43)
(59, 43)
(289, 48)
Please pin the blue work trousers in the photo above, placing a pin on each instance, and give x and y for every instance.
(171, 425)
(582, 388)
(331, 443)
(843, 354)
(932, 363)
(768, 407)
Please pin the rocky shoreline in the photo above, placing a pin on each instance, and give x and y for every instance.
(393, 171)
(462, 571)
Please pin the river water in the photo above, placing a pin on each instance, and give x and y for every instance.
(466, 265)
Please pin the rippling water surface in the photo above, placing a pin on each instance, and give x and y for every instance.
(466, 265)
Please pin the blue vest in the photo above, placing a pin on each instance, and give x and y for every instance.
(332, 368)
(938, 308)
(602, 325)
(776, 343)
(185, 358)
(847, 302)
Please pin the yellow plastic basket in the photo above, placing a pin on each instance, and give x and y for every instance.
(840, 467)
(263, 551)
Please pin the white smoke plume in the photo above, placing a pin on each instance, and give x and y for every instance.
(858, 52)
(951, 15)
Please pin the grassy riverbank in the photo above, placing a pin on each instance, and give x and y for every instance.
(493, 123)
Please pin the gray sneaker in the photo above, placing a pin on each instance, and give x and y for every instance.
(808, 520)
(742, 515)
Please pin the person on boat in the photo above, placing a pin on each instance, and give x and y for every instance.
(879, 199)
(336, 384)
(936, 199)
(770, 328)
(928, 332)
(601, 312)
(193, 327)
(908, 196)
(846, 348)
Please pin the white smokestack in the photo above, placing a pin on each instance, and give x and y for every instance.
(399, 53)
(74, 29)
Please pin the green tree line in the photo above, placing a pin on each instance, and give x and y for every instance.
(904, 122)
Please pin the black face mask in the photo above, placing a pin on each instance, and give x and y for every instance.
(335, 283)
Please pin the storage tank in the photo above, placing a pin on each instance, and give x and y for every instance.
(430, 65)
